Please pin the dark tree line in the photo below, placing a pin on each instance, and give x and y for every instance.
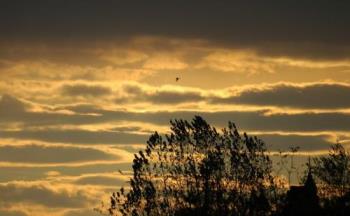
(195, 170)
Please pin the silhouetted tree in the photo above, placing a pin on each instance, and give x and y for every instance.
(333, 170)
(333, 173)
(195, 170)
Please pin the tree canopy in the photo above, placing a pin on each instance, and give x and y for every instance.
(196, 170)
(333, 170)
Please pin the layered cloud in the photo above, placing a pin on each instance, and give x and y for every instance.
(258, 119)
(303, 29)
(54, 154)
(12, 213)
(85, 90)
(42, 198)
(32, 172)
(319, 95)
(53, 196)
(77, 136)
(152, 60)
(316, 96)
(81, 93)
(307, 142)
(136, 93)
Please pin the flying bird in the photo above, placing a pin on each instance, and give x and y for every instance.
(177, 79)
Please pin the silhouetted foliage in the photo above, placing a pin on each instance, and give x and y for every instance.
(333, 170)
(333, 175)
(195, 170)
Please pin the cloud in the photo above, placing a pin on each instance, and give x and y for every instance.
(198, 64)
(10, 105)
(283, 142)
(164, 62)
(302, 29)
(5, 212)
(82, 212)
(137, 93)
(249, 62)
(32, 173)
(61, 70)
(79, 108)
(316, 96)
(46, 194)
(124, 57)
(54, 154)
(247, 120)
(85, 90)
(15, 110)
(101, 180)
(77, 136)
(236, 62)
(173, 97)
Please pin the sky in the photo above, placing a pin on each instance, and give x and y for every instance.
(83, 83)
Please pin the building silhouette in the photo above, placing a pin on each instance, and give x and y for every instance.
(303, 200)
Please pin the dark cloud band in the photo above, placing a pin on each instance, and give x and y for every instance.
(43, 194)
(85, 90)
(302, 29)
(314, 96)
(47, 155)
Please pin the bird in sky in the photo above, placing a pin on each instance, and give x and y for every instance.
(177, 79)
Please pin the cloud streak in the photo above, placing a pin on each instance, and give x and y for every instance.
(77, 136)
(55, 154)
(248, 120)
(314, 96)
(85, 90)
(46, 194)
